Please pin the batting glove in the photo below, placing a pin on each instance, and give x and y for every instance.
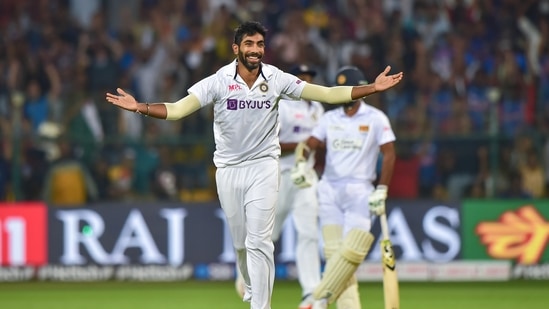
(301, 175)
(376, 201)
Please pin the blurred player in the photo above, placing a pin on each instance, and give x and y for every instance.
(245, 95)
(354, 135)
(297, 120)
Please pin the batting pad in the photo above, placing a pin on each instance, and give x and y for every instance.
(341, 267)
(349, 298)
(332, 236)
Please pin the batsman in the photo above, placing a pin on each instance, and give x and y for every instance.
(349, 191)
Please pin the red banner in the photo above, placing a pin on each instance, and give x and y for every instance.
(23, 234)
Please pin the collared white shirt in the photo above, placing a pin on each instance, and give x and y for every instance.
(352, 143)
(246, 124)
(297, 120)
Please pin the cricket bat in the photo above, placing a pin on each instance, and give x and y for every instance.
(390, 278)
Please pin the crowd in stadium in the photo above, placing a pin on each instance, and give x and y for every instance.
(471, 116)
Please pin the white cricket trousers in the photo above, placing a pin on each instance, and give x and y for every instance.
(344, 204)
(248, 195)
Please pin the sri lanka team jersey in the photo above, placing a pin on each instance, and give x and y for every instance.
(246, 124)
(352, 143)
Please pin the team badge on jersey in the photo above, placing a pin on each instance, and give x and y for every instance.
(363, 129)
(264, 87)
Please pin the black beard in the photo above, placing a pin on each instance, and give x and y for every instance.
(247, 65)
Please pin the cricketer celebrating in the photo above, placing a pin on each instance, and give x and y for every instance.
(245, 95)
(354, 135)
(297, 120)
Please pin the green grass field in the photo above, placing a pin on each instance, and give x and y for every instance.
(205, 295)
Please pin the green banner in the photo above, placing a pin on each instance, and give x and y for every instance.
(515, 230)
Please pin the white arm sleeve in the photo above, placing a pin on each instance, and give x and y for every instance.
(182, 108)
(331, 95)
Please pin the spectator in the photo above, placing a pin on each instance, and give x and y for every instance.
(81, 118)
(122, 176)
(288, 45)
(533, 176)
(68, 182)
(84, 10)
(165, 184)
(100, 174)
(515, 189)
(33, 172)
(476, 190)
(41, 96)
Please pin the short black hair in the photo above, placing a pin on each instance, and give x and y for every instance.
(248, 28)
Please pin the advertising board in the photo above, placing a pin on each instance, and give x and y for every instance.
(508, 230)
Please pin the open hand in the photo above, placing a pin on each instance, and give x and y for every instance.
(384, 81)
(123, 100)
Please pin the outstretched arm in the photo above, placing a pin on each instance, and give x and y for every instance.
(344, 94)
(168, 111)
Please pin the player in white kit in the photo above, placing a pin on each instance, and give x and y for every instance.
(297, 120)
(245, 95)
(354, 135)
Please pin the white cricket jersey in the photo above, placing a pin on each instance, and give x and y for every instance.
(297, 120)
(246, 124)
(352, 143)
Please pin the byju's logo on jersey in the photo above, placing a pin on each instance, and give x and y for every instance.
(235, 104)
(232, 104)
